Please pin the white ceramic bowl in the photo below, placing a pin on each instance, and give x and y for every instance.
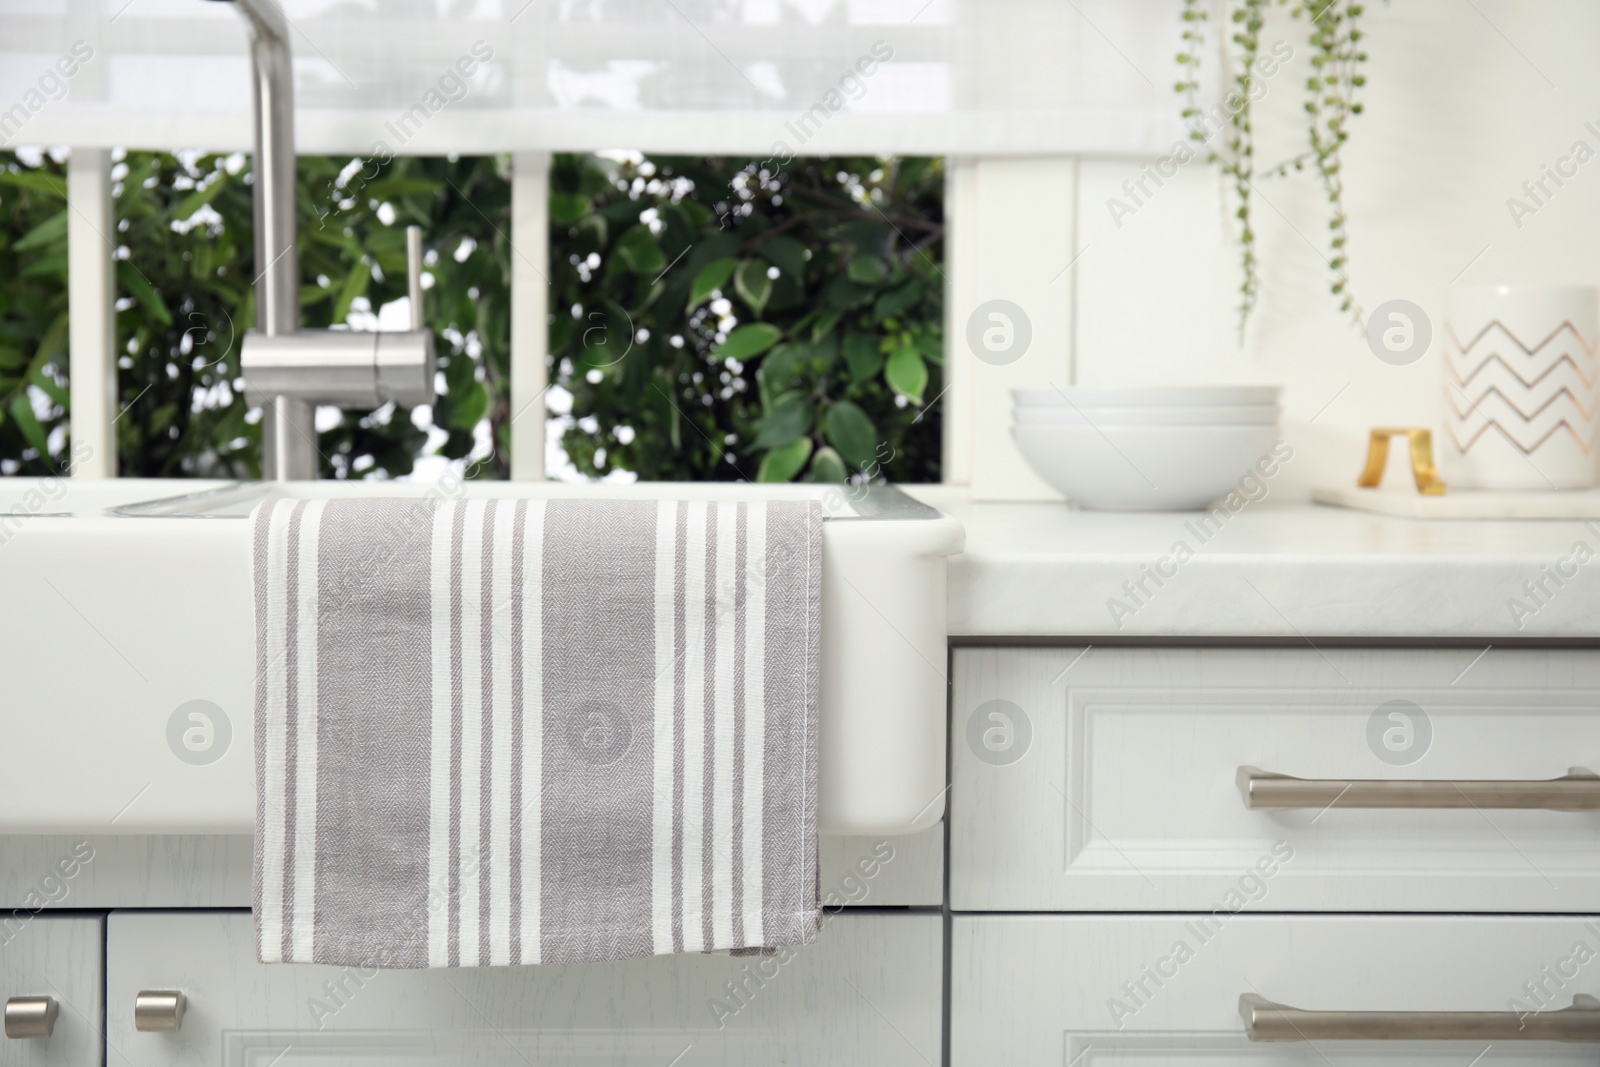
(1198, 415)
(1117, 396)
(1145, 468)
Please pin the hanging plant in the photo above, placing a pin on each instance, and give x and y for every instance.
(1331, 89)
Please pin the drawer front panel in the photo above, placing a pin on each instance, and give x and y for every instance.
(1154, 991)
(135, 871)
(55, 956)
(1106, 779)
(869, 991)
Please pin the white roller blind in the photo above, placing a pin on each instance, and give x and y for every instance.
(976, 77)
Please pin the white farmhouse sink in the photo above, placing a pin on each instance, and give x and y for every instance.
(124, 600)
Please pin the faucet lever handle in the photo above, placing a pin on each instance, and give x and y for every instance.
(414, 275)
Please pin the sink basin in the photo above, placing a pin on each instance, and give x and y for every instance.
(128, 614)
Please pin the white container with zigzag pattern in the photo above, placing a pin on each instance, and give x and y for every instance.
(1522, 387)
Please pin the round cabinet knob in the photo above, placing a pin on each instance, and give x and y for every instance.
(30, 1016)
(159, 1010)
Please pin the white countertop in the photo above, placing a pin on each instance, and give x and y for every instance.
(1291, 571)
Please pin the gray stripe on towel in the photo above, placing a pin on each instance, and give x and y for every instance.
(458, 518)
(519, 531)
(599, 699)
(789, 857)
(680, 654)
(736, 831)
(373, 725)
(486, 616)
(708, 765)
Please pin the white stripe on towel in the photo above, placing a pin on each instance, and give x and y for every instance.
(303, 932)
(272, 767)
(666, 678)
(471, 688)
(500, 757)
(439, 748)
(694, 719)
(755, 733)
(532, 728)
(722, 797)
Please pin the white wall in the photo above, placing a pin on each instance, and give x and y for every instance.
(1466, 100)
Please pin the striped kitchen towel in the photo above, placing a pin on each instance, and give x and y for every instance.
(499, 732)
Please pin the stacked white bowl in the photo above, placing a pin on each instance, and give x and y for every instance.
(1145, 448)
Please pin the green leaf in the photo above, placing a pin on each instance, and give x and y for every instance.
(906, 373)
(384, 188)
(712, 276)
(45, 266)
(867, 270)
(824, 325)
(862, 354)
(828, 468)
(468, 407)
(638, 249)
(931, 347)
(50, 230)
(355, 284)
(748, 341)
(138, 286)
(788, 418)
(567, 208)
(606, 338)
(850, 430)
(37, 181)
(200, 198)
(844, 294)
(47, 384)
(779, 368)
(785, 253)
(591, 236)
(52, 344)
(782, 464)
(895, 301)
(753, 285)
(22, 412)
(709, 249)
(870, 237)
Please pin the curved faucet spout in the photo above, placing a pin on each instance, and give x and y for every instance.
(287, 370)
(288, 439)
(272, 82)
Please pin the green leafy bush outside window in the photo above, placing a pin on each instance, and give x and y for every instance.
(830, 273)
(755, 322)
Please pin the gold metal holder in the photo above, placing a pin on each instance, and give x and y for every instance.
(1427, 475)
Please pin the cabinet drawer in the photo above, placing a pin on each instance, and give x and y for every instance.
(869, 991)
(1146, 991)
(199, 871)
(1106, 779)
(55, 956)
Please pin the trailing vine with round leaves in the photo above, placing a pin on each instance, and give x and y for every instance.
(1335, 37)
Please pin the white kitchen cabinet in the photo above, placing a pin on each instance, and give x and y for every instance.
(868, 992)
(206, 871)
(1088, 991)
(55, 956)
(1105, 779)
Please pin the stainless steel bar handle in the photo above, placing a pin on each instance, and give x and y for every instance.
(159, 1011)
(1266, 1021)
(1263, 790)
(30, 1016)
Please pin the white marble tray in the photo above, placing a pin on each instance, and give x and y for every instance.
(1406, 502)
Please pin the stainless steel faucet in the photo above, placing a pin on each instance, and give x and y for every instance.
(289, 371)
